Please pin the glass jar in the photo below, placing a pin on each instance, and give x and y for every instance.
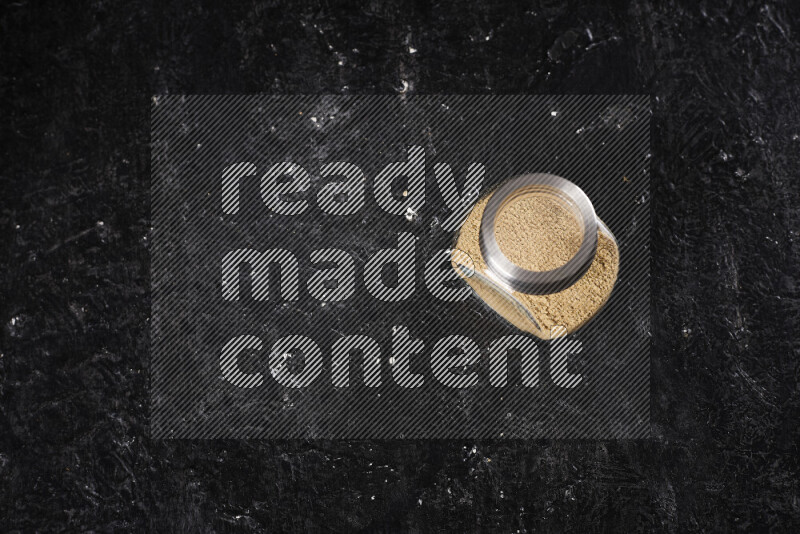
(535, 252)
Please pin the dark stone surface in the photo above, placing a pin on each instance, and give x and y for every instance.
(76, 82)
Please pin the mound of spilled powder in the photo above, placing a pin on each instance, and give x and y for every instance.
(539, 315)
(537, 232)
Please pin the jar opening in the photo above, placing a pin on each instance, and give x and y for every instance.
(538, 233)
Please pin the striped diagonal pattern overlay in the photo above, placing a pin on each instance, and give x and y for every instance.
(274, 314)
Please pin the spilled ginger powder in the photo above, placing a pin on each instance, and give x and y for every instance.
(537, 233)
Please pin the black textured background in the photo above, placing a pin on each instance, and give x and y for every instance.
(76, 83)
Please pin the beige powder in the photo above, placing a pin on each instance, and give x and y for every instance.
(538, 232)
(538, 314)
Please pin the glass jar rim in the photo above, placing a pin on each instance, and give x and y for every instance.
(539, 282)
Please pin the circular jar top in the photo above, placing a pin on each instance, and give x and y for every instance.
(566, 250)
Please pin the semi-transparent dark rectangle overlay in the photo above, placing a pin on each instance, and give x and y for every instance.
(257, 201)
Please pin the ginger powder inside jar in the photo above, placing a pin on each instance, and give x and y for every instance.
(540, 234)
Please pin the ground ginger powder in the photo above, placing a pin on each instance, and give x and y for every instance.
(537, 233)
(541, 220)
